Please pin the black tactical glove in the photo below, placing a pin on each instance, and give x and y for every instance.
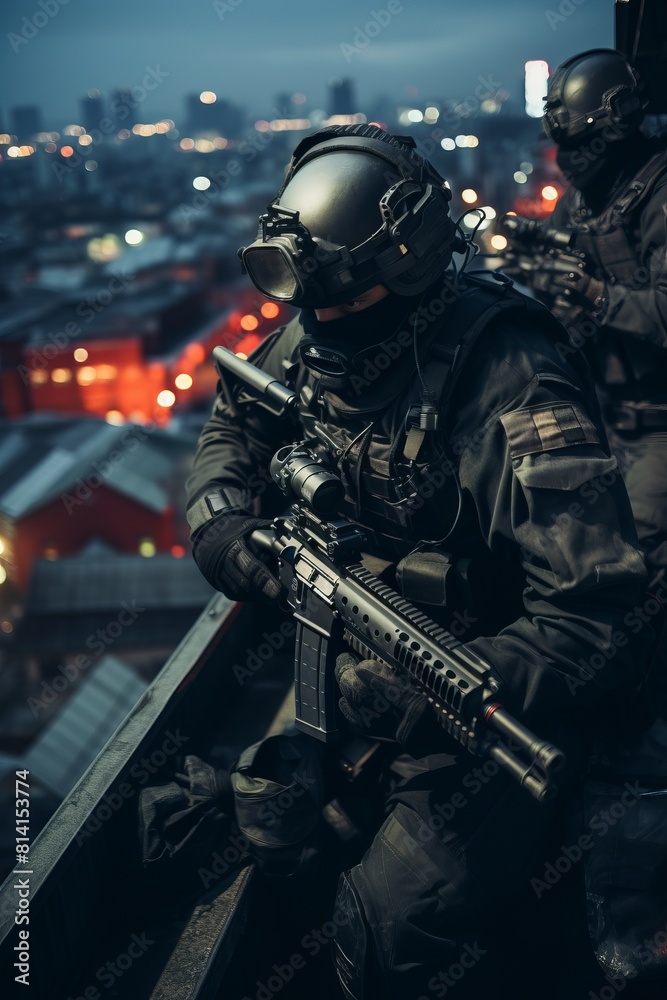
(564, 280)
(220, 549)
(387, 704)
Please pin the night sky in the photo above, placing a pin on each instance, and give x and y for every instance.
(249, 51)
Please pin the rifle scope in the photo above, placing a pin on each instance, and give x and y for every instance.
(532, 232)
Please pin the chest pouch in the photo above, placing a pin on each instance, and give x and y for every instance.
(434, 578)
(477, 593)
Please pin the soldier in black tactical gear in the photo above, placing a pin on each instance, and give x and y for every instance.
(609, 287)
(465, 444)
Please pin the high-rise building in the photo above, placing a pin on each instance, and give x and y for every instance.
(26, 121)
(121, 108)
(341, 97)
(283, 107)
(92, 110)
(536, 72)
(206, 112)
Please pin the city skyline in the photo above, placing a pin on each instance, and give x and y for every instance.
(410, 49)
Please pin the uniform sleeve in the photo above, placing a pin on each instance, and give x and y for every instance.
(641, 312)
(234, 451)
(547, 494)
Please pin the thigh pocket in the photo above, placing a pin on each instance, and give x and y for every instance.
(626, 878)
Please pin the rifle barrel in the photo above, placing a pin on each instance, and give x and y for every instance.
(255, 377)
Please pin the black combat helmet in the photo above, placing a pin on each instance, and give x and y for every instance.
(358, 208)
(592, 93)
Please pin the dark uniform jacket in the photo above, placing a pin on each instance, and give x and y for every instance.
(629, 353)
(528, 489)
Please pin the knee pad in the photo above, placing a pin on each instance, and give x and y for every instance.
(277, 785)
(352, 942)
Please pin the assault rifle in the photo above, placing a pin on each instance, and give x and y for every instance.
(530, 243)
(338, 604)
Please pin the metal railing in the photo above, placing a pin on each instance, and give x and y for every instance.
(77, 866)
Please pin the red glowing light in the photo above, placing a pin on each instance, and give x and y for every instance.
(269, 310)
(195, 354)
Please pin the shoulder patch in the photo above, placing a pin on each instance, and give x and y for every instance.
(535, 429)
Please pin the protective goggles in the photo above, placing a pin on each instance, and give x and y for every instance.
(286, 263)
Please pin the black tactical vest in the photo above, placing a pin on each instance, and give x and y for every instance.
(608, 239)
(626, 367)
(386, 434)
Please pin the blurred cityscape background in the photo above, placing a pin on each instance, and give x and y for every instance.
(138, 145)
